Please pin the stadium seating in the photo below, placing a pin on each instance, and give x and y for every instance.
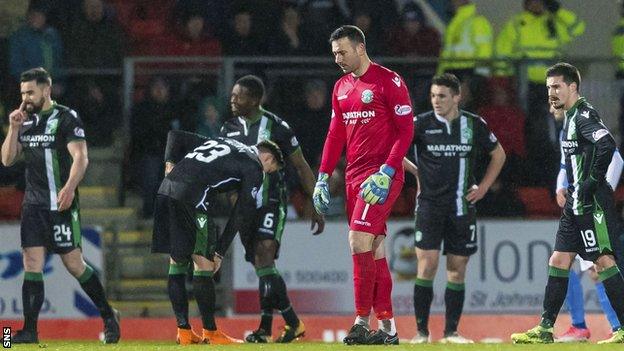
(539, 202)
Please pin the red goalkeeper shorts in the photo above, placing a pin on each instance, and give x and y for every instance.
(368, 218)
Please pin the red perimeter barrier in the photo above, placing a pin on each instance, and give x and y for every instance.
(327, 328)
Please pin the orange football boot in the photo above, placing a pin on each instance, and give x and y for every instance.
(187, 337)
(217, 337)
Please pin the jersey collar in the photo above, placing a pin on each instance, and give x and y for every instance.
(48, 111)
(255, 118)
(572, 110)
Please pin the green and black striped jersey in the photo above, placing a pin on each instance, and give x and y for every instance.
(446, 154)
(588, 148)
(44, 138)
(266, 126)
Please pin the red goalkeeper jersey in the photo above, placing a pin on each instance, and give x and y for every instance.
(372, 116)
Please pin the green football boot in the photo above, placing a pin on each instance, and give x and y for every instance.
(537, 335)
(616, 338)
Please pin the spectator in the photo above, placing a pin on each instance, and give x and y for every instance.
(413, 37)
(312, 121)
(617, 49)
(374, 43)
(468, 36)
(507, 120)
(98, 112)
(210, 117)
(288, 39)
(12, 16)
(95, 39)
(191, 40)
(320, 18)
(540, 32)
(240, 40)
(151, 121)
(35, 44)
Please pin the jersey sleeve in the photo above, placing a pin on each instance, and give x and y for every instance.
(180, 143)
(592, 129)
(486, 140)
(285, 138)
(562, 179)
(615, 169)
(71, 127)
(336, 137)
(400, 108)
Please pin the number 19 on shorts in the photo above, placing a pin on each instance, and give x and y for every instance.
(589, 238)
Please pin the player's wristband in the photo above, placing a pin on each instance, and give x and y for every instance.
(387, 170)
(218, 255)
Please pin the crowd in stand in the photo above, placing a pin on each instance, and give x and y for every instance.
(77, 40)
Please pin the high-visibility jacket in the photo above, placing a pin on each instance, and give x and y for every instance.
(527, 35)
(617, 47)
(467, 36)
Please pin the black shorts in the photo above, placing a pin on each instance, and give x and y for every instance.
(590, 235)
(435, 224)
(270, 218)
(181, 231)
(58, 232)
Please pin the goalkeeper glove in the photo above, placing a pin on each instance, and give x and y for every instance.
(320, 197)
(376, 187)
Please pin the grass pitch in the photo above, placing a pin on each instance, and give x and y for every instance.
(302, 346)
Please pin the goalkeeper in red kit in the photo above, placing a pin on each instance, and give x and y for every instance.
(372, 116)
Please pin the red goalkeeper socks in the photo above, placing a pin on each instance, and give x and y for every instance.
(363, 282)
(382, 303)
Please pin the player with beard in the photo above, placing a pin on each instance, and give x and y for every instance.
(52, 139)
(372, 117)
(589, 223)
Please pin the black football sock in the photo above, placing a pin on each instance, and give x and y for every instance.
(282, 302)
(554, 296)
(613, 283)
(176, 288)
(265, 289)
(423, 295)
(204, 291)
(454, 296)
(32, 298)
(91, 284)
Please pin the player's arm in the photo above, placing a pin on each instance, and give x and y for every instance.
(334, 143)
(375, 188)
(308, 182)
(335, 140)
(243, 214)
(486, 141)
(11, 148)
(400, 108)
(180, 143)
(592, 129)
(80, 160)
(562, 178)
(615, 169)
(497, 160)
(410, 167)
(231, 228)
